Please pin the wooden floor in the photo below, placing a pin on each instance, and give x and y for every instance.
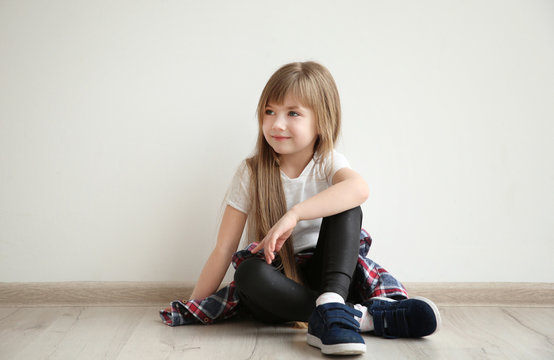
(136, 332)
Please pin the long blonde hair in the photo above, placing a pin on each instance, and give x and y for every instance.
(313, 86)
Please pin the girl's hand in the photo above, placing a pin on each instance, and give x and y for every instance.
(277, 235)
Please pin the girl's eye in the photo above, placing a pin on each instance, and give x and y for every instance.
(269, 112)
(293, 113)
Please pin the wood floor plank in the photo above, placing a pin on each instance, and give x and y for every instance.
(125, 333)
(274, 342)
(470, 333)
(99, 333)
(47, 341)
(87, 333)
(24, 326)
(485, 332)
(6, 312)
(540, 323)
(154, 340)
(235, 339)
(538, 320)
(495, 335)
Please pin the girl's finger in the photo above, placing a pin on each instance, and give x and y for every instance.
(258, 247)
(268, 254)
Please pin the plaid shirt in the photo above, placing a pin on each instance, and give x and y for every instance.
(369, 280)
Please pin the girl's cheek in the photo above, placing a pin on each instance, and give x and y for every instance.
(266, 126)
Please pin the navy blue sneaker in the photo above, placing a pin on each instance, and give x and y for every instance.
(410, 318)
(333, 329)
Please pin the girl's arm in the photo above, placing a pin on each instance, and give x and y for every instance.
(228, 238)
(349, 190)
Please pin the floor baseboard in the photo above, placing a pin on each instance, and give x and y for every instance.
(486, 293)
(161, 293)
(93, 293)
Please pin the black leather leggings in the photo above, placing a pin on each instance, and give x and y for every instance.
(272, 297)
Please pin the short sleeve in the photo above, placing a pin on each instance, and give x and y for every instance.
(237, 193)
(336, 162)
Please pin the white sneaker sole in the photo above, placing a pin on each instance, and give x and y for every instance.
(337, 349)
(425, 300)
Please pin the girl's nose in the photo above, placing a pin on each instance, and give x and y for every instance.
(280, 123)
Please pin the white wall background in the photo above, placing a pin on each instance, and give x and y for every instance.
(122, 122)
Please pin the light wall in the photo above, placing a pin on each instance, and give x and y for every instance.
(122, 122)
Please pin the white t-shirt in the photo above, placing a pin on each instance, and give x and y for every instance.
(311, 181)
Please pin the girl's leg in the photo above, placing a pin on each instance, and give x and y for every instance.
(332, 267)
(271, 296)
(334, 326)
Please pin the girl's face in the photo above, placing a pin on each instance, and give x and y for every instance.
(290, 128)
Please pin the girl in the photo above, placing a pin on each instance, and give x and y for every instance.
(302, 202)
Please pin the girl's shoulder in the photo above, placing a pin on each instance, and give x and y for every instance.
(237, 193)
(333, 157)
(331, 163)
(339, 159)
(242, 171)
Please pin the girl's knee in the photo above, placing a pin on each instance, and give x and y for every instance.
(355, 212)
(248, 274)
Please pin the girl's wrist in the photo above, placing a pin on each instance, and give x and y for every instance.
(295, 213)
